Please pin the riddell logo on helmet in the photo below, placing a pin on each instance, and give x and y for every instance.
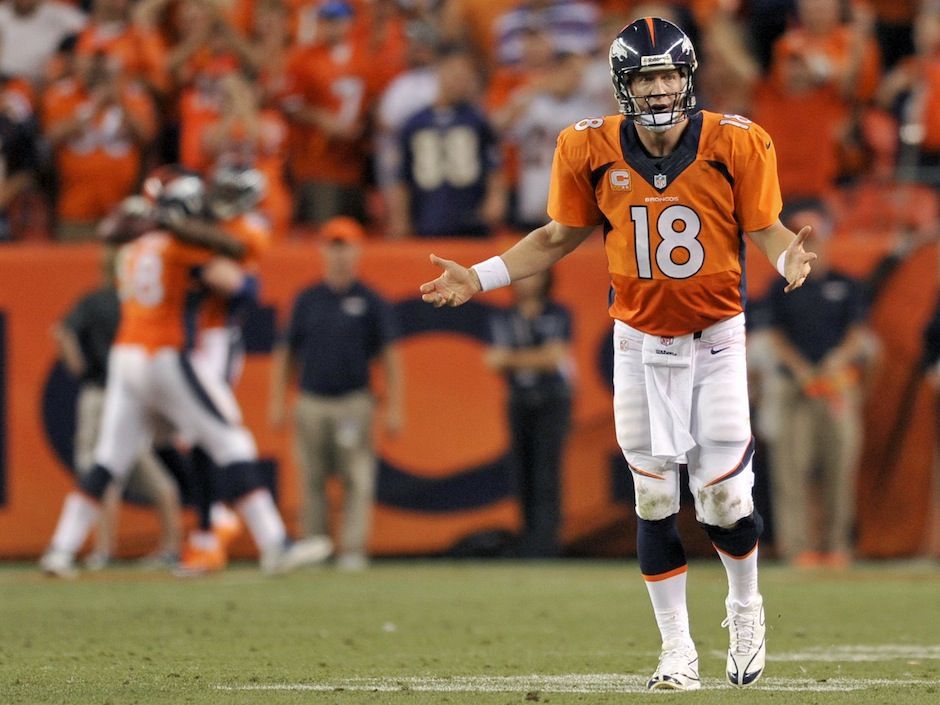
(656, 60)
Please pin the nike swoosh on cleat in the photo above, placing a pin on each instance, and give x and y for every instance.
(715, 352)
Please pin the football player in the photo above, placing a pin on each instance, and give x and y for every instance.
(675, 190)
(151, 373)
(233, 193)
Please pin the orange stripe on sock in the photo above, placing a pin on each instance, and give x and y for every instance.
(738, 558)
(665, 576)
(652, 30)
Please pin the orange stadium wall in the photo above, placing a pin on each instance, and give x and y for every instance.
(444, 478)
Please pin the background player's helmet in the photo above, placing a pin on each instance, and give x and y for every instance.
(159, 177)
(652, 44)
(182, 197)
(234, 190)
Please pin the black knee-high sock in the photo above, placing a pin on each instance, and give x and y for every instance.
(180, 468)
(658, 546)
(204, 471)
(737, 540)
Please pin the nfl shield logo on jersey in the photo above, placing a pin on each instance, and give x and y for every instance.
(659, 181)
(665, 340)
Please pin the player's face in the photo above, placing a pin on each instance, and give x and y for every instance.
(657, 96)
(651, 85)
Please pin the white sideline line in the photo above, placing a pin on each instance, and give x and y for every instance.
(570, 683)
(858, 653)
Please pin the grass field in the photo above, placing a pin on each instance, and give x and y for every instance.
(439, 632)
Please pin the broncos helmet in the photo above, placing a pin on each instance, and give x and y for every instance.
(652, 44)
(183, 196)
(234, 190)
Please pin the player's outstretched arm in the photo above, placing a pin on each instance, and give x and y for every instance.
(537, 251)
(785, 251)
(201, 233)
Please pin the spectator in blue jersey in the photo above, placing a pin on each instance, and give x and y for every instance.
(337, 328)
(530, 346)
(450, 181)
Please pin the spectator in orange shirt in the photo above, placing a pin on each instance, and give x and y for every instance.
(331, 88)
(912, 90)
(822, 70)
(98, 126)
(208, 42)
(246, 135)
(474, 22)
(138, 51)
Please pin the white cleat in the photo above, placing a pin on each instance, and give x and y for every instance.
(677, 669)
(748, 650)
(309, 551)
(58, 564)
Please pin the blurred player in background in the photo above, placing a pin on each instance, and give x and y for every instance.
(673, 189)
(84, 338)
(233, 194)
(151, 372)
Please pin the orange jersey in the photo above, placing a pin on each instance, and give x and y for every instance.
(254, 232)
(343, 82)
(139, 52)
(155, 276)
(99, 166)
(674, 226)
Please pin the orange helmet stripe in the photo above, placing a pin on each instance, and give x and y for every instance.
(652, 29)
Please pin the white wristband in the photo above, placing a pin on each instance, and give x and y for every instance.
(782, 264)
(492, 273)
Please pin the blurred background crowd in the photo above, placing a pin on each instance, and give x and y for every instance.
(438, 117)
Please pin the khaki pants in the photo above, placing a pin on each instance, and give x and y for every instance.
(148, 478)
(334, 435)
(811, 435)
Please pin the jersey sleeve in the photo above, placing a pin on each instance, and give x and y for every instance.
(253, 231)
(571, 197)
(756, 186)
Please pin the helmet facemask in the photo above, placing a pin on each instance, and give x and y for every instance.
(639, 109)
(235, 191)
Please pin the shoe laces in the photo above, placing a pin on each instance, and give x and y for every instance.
(677, 651)
(743, 626)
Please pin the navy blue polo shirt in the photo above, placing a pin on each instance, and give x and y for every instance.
(335, 335)
(510, 329)
(94, 320)
(447, 156)
(816, 317)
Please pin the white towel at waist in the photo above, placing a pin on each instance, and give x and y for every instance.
(668, 366)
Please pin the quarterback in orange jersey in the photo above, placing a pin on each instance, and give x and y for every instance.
(152, 374)
(675, 190)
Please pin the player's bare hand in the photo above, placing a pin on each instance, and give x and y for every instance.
(797, 263)
(454, 287)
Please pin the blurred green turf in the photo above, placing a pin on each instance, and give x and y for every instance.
(127, 637)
